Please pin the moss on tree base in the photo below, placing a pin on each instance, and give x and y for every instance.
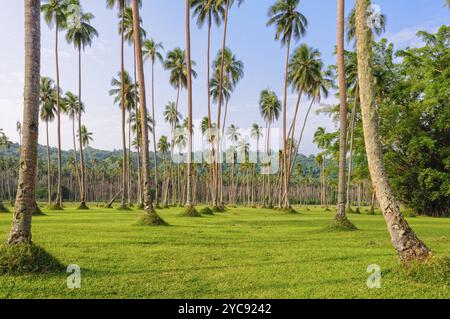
(288, 210)
(206, 211)
(190, 212)
(27, 259)
(83, 206)
(124, 208)
(342, 225)
(38, 212)
(55, 207)
(218, 209)
(151, 219)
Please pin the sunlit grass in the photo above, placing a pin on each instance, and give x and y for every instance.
(241, 253)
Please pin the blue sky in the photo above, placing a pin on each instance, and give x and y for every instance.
(249, 38)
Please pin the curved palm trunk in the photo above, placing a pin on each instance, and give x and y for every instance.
(49, 176)
(136, 110)
(407, 244)
(340, 214)
(25, 198)
(80, 139)
(58, 122)
(124, 141)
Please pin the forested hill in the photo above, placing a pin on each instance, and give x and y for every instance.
(307, 163)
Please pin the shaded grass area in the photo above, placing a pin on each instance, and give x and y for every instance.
(240, 253)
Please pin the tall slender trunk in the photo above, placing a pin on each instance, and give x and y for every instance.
(123, 107)
(25, 198)
(155, 156)
(49, 176)
(350, 157)
(80, 140)
(219, 104)
(58, 122)
(284, 178)
(129, 164)
(340, 214)
(75, 155)
(136, 110)
(148, 205)
(189, 88)
(407, 244)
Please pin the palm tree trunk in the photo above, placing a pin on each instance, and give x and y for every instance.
(407, 244)
(350, 158)
(189, 88)
(123, 106)
(25, 198)
(80, 140)
(155, 156)
(284, 178)
(136, 110)
(58, 122)
(129, 164)
(340, 214)
(148, 205)
(49, 177)
(75, 155)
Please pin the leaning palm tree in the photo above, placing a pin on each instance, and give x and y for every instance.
(47, 99)
(25, 202)
(81, 34)
(70, 106)
(152, 51)
(151, 217)
(270, 108)
(55, 14)
(290, 25)
(408, 246)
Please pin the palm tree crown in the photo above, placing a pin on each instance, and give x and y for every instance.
(176, 64)
(81, 34)
(129, 93)
(269, 106)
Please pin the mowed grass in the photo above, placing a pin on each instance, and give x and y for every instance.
(242, 253)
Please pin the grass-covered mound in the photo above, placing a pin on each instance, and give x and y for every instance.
(55, 207)
(218, 209)
(151, 219)
(190, 212)
(206, 211)
(27, 259)
(38, 212)
(341, 225)
(83, 206)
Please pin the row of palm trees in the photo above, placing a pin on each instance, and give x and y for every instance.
(290, 26)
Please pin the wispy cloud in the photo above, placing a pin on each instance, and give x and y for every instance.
(407, 37)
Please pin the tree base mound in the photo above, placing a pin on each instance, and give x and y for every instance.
(288, 210)
(218, 209)
(38, 212)
(371, 212)
(55, 207)
(83, 206)
(206, 211)
(3, 209)
(151, 219)
(190, 212)
(433, 270)
(156, 207)
(124, 208)
(27, 259)
(344, 225)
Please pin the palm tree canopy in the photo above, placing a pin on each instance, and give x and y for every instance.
(305, 67)
(163, 144)
(70, 105)
(233, 67)
(176, 64)
(151, 50)
(128, 28)
(54, 12)
(81, 34)
(130, 89)
(233, 133)
(256, 132)
(171, 115)
(208, 9)
(86, 136)
(287, 20)
(47, 97)
(269, 106)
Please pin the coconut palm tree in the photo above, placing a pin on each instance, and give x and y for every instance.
(81, 35)
(25, 202)
(405, 241)
(121, 7)
(86, 136)
(290, 25)
(47, 99)
(55, 13)
(228, 4)
(152, 51)
(270, 108)
(255, 133)
(70, 106)
(152, 217)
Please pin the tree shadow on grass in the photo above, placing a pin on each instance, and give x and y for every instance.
(25, 259)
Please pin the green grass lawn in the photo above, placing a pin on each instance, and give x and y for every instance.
(242, 253)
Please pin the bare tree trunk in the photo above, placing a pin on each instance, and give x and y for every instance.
(83, 183)
(75, 154)
(49, 176)
(407, 244)
(148, 205)
(155, 154)
(340, 214)
(284, 177)
(25, 198)
(58, 122)
(123, 107)
(350, 163)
